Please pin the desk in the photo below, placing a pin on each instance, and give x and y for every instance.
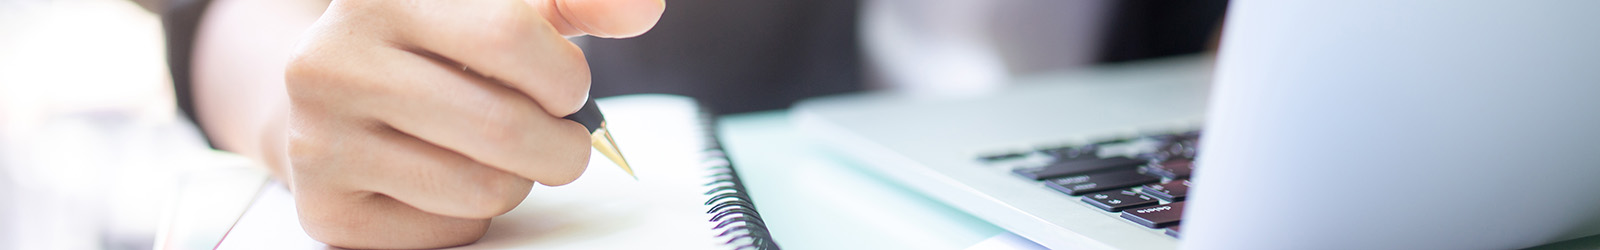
(812, 199)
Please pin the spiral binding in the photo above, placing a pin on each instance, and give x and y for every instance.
(731, 207)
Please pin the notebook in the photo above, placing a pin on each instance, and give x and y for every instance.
(688, 195)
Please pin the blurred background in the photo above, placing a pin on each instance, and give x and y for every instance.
(92, 146)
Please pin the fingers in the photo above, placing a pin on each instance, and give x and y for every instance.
(393, 145)
(335, 207)
(507, 40)
(601, 18)
(361, 184)
(522, 43)
(486, 122)
(436, 180)
(349, 155)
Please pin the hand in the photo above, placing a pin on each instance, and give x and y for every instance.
(414, 122)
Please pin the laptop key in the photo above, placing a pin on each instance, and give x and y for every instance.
(1113, 201)
(1173, 169)
(1173, 231)
(1191, 135)
(1001, 157)
(1078, 167)
(1074, 153)
(1173, 190)
(1097, 182)
(1156, 216)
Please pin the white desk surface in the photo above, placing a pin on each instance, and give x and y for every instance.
(810, 198)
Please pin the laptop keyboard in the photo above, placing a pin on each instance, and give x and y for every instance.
(1141, 179)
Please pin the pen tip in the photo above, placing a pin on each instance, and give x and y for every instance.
(601, 140)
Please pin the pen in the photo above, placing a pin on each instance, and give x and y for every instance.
(599, 136)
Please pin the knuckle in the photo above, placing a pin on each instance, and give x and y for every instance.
(501, 128)
(504, 28)
(304, 154)
(320, 73)
(319, 224)
(303, 72)
(307, 149)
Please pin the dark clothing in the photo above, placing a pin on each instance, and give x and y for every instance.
(1142, 29)
(181, 20)
(736, 56)
(740, 56)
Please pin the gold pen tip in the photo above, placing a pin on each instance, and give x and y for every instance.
(601, 139)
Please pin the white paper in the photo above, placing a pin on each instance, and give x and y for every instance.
(605, 209)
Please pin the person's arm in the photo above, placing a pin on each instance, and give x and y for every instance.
(364, 108)
(237, 71)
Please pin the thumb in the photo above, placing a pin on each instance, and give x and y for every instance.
(601, 18)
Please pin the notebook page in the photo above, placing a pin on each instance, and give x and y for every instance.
(661, 137)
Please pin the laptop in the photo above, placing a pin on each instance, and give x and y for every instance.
(968, 152)
(1322, 132)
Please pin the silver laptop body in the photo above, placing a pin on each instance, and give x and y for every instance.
(1332, 125)
(933, 145)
